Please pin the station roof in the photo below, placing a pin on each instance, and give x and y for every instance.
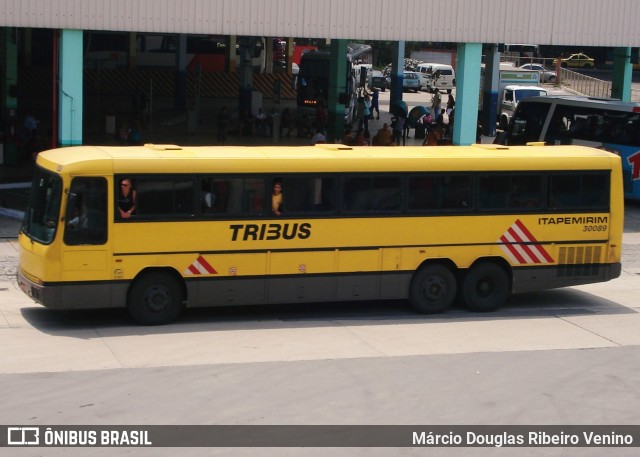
(611, 23)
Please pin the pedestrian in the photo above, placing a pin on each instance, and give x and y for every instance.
(285, 123)
(360, 111)
(366, 114)
(398, 128)
(318, 138)
(375, 103)
(451, 104)
(261, 123)
(347, 138)
(221, 125)
(384, 137)
(139, 104)
(321, 117)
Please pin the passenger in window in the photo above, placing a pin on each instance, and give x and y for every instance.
(80, 219)
(207, 197)
(276, 198)
(126, 199)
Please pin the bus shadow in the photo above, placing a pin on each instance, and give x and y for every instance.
(87, 324)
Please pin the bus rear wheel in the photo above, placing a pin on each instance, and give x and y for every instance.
(155, 299)
(432, 289)
(485, 287)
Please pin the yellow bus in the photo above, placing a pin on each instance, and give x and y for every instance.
(428, 225)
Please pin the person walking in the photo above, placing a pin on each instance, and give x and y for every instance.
(366, 114)
(398, 128)
(375, 103)
(221, 124)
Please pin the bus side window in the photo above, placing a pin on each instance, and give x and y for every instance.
(526, 192)
(564, 192)
(86, 216)
(162, 197)
(458, 193)
(253, 198)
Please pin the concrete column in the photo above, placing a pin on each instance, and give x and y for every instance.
(337, 86)
(13, 126)
(397, 67)
(622, 72)
(232, 63)
(132, 54)
(70, 89)
(489, 94)
(290, 48)
(268, 44)
(467, 93)
(180, 97)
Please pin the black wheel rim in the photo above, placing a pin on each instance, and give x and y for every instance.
(435, 287)
(157, 299)
(485, 287)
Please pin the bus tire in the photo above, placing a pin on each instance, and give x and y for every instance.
(155, 299)
(485, 287)
(432, 289)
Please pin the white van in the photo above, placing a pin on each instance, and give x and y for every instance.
(446, 79)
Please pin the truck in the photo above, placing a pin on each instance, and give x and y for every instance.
(514, 84)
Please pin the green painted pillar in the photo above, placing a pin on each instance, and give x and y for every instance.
(337, 86)
(467, 93)
(622, 72)
(397, 72)
(12, 127)
(70, 88)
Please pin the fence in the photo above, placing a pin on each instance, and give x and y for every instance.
(584, 85)
(574, 81)
(592, 87)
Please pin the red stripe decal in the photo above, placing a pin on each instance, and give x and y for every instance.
(206, 266)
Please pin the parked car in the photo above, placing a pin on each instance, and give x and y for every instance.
(436, 76)
(377, 80)
(410, 81)
(546, 75)
(579, 60)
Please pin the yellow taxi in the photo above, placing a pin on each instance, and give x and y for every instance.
(579, 60)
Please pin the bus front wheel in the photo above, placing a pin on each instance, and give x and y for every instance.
(485, 287)
(432, 289)
(155, 299)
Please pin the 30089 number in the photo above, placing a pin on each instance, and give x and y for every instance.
(595, 228)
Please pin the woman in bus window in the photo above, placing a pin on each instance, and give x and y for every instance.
(126, 198)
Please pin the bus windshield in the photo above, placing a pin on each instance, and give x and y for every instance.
(526, 93)
(41, 216)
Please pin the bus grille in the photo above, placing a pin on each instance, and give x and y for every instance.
(579, 261)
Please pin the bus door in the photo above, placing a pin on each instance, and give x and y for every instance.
(85, 240)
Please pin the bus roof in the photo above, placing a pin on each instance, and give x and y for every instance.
(579, 100)
(325, 158)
